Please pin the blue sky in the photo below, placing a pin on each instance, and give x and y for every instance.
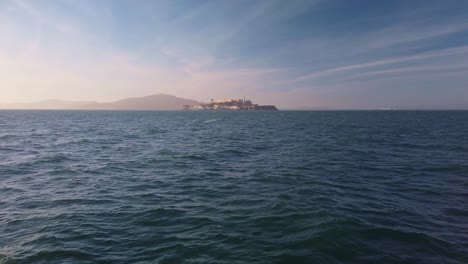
(316, 53)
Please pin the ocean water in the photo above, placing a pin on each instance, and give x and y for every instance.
(234, 187)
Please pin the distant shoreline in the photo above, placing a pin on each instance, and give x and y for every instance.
(281, 110)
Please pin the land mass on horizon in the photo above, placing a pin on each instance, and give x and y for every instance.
(151, 102)
(230, 104)
(170, 102)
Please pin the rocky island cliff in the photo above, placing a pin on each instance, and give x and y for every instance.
(230, 104)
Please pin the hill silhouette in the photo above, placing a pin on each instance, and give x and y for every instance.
(151, 102)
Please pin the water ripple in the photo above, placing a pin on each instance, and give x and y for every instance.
(233, 187)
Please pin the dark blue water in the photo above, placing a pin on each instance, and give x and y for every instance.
(233, 187)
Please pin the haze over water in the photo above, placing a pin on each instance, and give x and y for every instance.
(233, 187)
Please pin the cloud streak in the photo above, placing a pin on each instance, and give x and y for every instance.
(304, 52)
(419, 57)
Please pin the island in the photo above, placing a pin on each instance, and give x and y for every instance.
(229, 104)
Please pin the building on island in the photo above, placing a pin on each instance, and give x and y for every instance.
(230, 104)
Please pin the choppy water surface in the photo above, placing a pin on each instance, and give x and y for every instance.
(233, 187)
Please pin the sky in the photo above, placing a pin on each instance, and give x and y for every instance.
(360, 54)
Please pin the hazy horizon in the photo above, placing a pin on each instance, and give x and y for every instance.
(57, 104)
(315, 54)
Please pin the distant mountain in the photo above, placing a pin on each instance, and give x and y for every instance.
(152, 102)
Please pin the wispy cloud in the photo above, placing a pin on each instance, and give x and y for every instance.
(41, 17)
(423, 56)
(411, 70)
(304, 52)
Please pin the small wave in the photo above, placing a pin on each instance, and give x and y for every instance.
(456, 212)
(7, 136)
(13, 190)
(160, 215)
(5, 259)
(210, 121)
(72, 141)
(194, 157)
(10, 149)
(62, 171)
(231, 153)
(77, 201)
(448, 169)
(155, 131)
(167, 152)
(53, 158)
(60, 255)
